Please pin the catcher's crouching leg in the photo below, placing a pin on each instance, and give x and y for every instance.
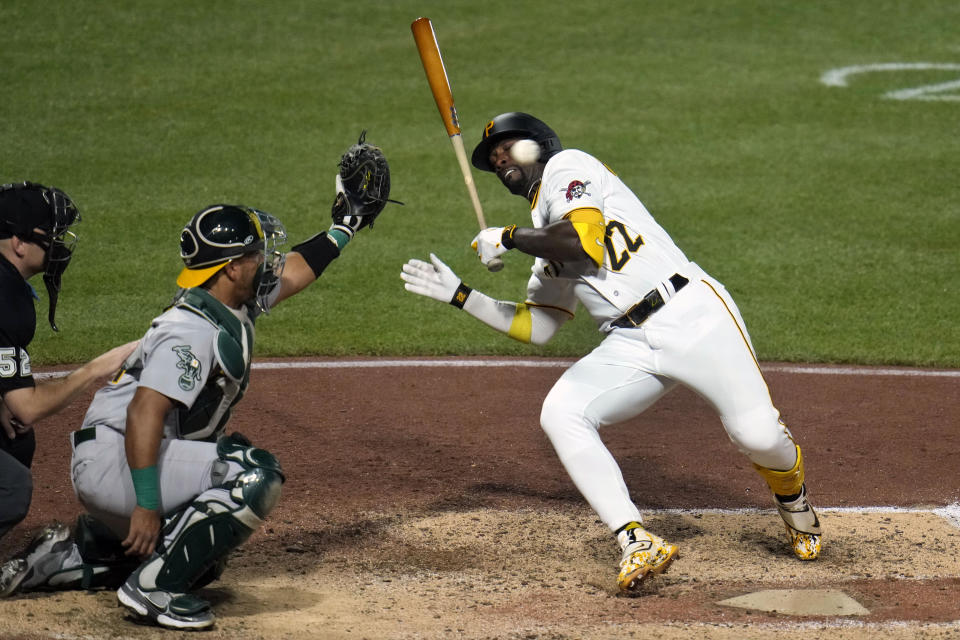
(197, 539)
(104, 563)
(92, 557)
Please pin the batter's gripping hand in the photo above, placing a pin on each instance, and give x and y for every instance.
(363, 187)
(492, 243)
(435, 280)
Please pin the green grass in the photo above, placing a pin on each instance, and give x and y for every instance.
(830, 213)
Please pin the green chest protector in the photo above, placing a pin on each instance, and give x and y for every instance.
(206, 418)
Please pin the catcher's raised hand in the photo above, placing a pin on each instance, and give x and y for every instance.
(363, 187)
(433, 279)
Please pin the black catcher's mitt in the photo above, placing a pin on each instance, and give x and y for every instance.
(363, 186)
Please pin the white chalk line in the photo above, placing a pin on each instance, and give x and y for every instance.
(950, 513)
(778, 368)
(557, 363)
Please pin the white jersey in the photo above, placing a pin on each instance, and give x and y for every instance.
(176, 357)
(638, 254)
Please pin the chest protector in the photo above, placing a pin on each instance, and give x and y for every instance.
(207, 417)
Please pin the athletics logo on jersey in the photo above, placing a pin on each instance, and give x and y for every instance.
(190, 365)
(576, 189)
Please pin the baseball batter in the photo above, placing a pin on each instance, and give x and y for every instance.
(168, 494)
(665, 322)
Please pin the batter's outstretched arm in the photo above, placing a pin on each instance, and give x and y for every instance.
(520, 321)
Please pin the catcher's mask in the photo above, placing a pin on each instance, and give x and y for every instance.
(26, 207)
(221, 233)
(515, 124)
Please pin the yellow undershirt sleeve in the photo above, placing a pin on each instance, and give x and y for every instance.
(589, 226)
(522, 326)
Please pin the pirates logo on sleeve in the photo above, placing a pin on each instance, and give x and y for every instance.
(191, 367)
(576, 189)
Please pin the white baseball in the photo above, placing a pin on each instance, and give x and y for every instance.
(525, 151)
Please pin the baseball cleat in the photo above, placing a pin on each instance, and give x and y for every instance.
(802, 524)
(171, 610)
(20, 569)
(644, 555)
(12, 574)
(806, 546)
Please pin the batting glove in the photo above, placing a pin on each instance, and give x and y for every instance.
(493, 242)
(435, 280)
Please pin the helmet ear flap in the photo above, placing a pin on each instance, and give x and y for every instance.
(188, 244)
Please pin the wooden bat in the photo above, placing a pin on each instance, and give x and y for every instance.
(426, 40)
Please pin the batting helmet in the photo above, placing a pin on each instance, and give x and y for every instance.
(28, 206)
(515, 125)
(221, 233)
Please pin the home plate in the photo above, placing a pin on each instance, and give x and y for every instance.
(799, 602)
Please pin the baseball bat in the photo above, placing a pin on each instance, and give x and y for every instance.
(426, 39)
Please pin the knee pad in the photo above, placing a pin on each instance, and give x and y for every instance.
(198, 538)
(258, 486)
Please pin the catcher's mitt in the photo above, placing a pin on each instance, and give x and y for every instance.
(363, 186)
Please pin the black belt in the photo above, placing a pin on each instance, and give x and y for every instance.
(79, 437)
(639, 312)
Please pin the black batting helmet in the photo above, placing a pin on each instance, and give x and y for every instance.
(515, 124)
(223, 232)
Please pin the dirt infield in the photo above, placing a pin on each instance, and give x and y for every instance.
(424, 502)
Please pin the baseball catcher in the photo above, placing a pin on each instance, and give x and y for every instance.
(168, 493)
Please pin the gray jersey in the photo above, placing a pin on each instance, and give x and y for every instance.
(181, 356)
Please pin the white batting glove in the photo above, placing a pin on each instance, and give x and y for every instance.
(435, 280)
(489, 243)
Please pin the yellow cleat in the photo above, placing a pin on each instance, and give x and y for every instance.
(644, 555)
(802, 523)
(806, 546)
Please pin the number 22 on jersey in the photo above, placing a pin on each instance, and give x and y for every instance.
(618, 260)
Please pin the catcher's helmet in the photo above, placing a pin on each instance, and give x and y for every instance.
(515, 125)
(221, 233)
(27, 206)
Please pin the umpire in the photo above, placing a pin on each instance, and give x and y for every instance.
(35, 237)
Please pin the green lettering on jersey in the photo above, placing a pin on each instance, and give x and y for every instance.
(192, 368)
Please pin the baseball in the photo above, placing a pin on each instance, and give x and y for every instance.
(525, 151)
